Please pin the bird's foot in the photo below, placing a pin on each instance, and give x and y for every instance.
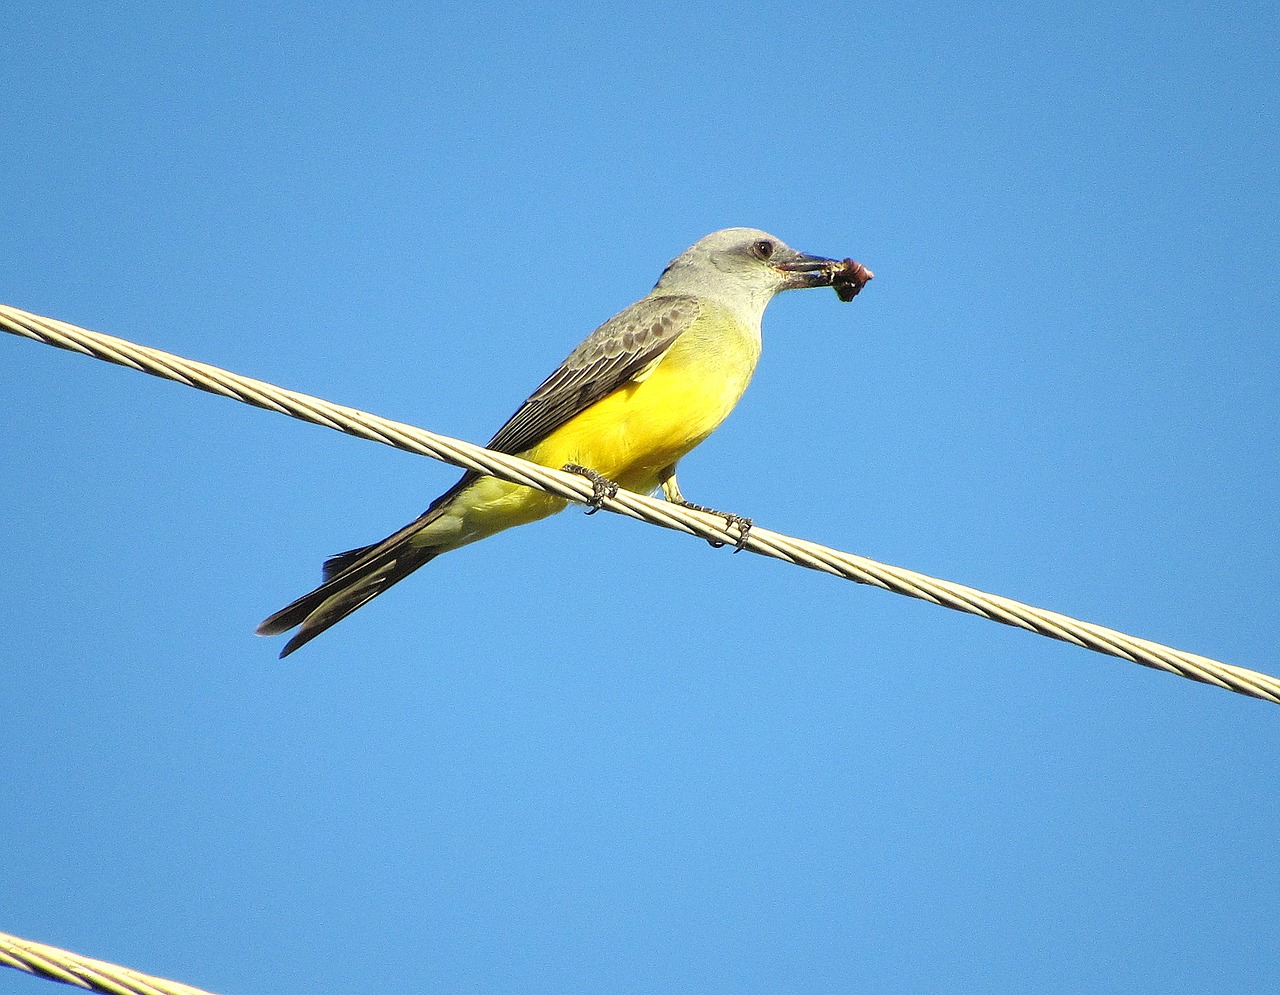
(731, 521)
(602, 488)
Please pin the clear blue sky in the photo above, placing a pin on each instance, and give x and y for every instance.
(590, 755)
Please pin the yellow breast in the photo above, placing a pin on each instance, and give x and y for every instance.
(646, 426)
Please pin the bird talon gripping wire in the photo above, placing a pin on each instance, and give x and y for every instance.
(603, 489)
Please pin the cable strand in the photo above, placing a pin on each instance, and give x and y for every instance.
(56, 964)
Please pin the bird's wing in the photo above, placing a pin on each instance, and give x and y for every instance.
(624, 348)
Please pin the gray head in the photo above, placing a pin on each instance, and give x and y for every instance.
(742, 268)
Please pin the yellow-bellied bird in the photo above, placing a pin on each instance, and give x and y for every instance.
(639, 392)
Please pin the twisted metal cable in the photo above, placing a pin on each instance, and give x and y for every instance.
(577, 488)
(55, 964)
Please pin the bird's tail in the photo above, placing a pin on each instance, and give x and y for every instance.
(351, 579)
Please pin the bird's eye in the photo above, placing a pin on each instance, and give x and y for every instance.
(763, 248)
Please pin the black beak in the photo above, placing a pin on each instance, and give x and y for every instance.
(847, 276)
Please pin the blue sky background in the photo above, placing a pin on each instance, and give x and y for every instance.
(589, 755)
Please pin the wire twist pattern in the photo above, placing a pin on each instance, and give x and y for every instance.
(55, 964)
(576, 488)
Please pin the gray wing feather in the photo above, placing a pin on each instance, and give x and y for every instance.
(619, 350)
(614, 353)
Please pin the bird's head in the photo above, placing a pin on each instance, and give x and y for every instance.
(745, 267)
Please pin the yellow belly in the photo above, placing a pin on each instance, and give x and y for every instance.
(633, 435)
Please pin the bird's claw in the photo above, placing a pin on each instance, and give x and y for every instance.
(602, 488)
(731, 521)
(743, 526)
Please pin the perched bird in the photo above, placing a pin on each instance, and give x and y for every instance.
(633, 398)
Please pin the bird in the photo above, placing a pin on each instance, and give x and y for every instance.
(628, 402)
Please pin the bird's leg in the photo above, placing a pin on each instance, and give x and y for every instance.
(671, 491)
(602, 487)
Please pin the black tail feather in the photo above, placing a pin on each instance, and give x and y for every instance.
(351, 579)
(339, 562)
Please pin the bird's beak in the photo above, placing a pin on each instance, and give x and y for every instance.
(847, 276)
